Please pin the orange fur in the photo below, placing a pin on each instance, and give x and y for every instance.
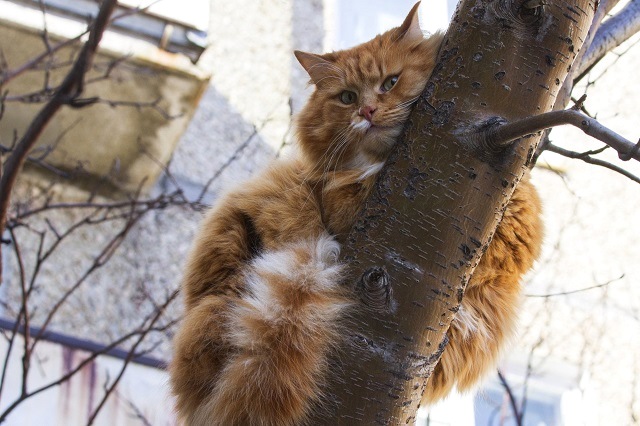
(263, 306)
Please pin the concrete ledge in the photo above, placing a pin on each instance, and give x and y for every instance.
(124, 143)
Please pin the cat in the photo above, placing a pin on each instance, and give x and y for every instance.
(263, 292)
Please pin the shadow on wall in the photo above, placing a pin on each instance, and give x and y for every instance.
(219, 148)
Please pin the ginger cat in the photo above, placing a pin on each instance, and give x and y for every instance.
(263, 293)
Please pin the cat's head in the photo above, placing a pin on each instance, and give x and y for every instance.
(363, 96)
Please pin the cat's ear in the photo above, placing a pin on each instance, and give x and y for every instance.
(318, 68)
(410, 28)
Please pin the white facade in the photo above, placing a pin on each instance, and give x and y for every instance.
(141, 395)
(579, 353)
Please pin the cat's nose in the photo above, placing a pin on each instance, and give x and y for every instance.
(367, 112)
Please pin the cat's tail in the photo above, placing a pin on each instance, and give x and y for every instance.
(281, 331)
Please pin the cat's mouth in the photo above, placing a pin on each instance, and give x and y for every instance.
(366, 127)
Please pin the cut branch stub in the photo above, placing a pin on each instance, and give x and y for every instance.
(440, 198)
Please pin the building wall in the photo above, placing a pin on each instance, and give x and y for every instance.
(588, 341)
(140, 396)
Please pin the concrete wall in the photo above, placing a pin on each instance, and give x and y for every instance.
(240, 125)
(122, 144)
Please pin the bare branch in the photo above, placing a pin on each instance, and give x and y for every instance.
(587, 158)
(99, 260)
(502, 134)
(132, 353)
(517, 415)
(33, 62)
(564, 94)
(147, 325)
(611, 34)
(137, 413)
(154, 105)
(24, 314)
(5, 365)
(69, 90)
(566, 293)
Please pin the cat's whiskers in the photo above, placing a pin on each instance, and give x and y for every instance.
(407, 103)
(340, 141)
(398, 114)
(341, 144)
(340, 154)
(329, 77)
(319, 163)
(343, 137)
(329, 65)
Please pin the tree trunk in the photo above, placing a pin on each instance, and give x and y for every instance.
(442, 195)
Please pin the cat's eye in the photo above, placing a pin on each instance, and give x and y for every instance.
(389, 83)
(348, 97)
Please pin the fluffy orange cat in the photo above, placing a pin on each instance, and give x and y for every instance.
(263, 293)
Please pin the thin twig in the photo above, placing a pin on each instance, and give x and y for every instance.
(98, 261)
(512, 399)
(580, 290)
(236, 153)
(138, 414)
(586, 157)
(147, 326)
(23, 315)
(132, 353)
(69, 90)
(32, 63)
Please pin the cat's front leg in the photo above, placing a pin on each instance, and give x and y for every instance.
(226, 241)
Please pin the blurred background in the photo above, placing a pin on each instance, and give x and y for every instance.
(193, 98)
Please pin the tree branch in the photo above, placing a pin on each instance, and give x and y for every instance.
(429, 236)
(10, 74)
(587, 158)
(500, 134)
(70, 89)
(130, 356)
(564, 95)
(611, 34)
(147, 325)
(517, 415)
(580, 290)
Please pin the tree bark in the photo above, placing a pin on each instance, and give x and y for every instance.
(441, 196)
